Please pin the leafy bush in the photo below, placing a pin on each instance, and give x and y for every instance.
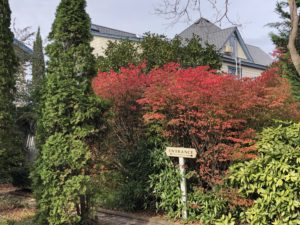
(273, 179)
(226, 220)
(165, 184)
(217, 114)
(158, 50)
(126, 147)
(206, 206)
(127, 186)
(20, 177)
(196, 107)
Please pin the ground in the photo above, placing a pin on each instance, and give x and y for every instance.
(16, 207)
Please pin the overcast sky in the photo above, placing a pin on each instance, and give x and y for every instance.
(138, 16)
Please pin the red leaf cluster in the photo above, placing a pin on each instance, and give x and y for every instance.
(215, 113)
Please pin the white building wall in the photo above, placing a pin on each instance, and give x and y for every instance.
(246, 71)
(99, 44)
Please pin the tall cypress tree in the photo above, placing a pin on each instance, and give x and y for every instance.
(70, 120)
(38, 70)
(9, 148)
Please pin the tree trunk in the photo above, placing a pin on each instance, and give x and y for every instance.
(293, 35)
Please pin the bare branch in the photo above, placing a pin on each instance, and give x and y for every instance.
(25, 35)
(176, 10)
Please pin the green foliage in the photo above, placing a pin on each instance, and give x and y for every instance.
(283, 27)
(280, 39)
(61, 167)
(226, 220)
(38, 71)
(70, 126)
(196, 55)
(126, 187)
(206, 206)
(272, 180)
(23, 222)
(165, 184)
(135, 175)
(287, 70)
(158, 50)
(117, 55)
(10, 150)
(20, 177)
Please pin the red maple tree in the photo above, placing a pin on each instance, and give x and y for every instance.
(217, 114)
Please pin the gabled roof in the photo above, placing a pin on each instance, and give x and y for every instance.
(214, 35)
(112, 33)
(219, 38)
(259, 56)
(201, 27)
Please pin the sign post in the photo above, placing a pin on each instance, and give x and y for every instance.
(182, 153)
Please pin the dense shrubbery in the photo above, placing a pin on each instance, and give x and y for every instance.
(130, 151)
(157, 51)
(217, 114)
(272, 180)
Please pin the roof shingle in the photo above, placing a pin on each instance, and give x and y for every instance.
(114, 33)
(214, 35)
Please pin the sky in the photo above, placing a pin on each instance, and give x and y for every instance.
(138, 16)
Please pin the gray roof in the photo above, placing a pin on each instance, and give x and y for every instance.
(214, 35)
(259, 56)
(207, 32)
(112, 33)
(219, 38)
(22, 46)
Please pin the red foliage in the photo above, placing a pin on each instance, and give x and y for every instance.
(124, 87)
(215, 113)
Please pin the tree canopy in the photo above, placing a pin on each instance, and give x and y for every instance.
(10, 149)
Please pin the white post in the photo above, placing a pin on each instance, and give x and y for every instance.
(183, 187)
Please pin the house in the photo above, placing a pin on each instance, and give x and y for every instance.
(238, 58)
(22, 51)
(24, 55)
(102, 35)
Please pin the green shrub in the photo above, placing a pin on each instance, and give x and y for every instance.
(273, 179)
(23, 222)
(125, 185)
(206, 206)
(226, 220)
(4, 222)
(20, 177)
(165, 185)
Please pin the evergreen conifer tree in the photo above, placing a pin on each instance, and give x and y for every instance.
(280, 39)
(10, 151)
(68, 129)
(38, 70)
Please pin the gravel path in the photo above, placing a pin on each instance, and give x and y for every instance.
(108, 217)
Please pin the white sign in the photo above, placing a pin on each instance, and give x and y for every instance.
(181, 152)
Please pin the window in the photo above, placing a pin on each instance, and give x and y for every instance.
(232, 70)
